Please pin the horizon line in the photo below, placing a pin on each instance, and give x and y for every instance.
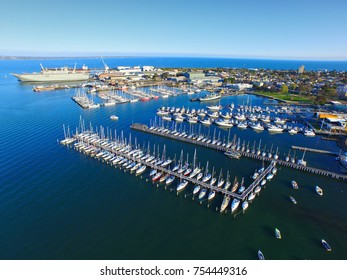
(9, 57)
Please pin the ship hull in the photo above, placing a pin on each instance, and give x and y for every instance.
(52, 77)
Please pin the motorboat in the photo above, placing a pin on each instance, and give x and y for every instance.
(224, 123)
(206, 121)
(319, 190)
(274, 129)
(293, 130)
(214, 108)
(278, 233)
(263, 182)
(309, 132)
(269, 176)
(232, 154)
(114, 117)
(295, 185)
(242, 125)
(257, 127)
(260, 255)
(293, 200)
(326, 245)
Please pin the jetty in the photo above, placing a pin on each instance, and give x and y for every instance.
(167, 133)
(314, 150)
(108, 151)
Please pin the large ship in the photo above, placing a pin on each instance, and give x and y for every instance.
(210, 97)
(55, 75)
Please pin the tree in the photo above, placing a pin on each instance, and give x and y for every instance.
(320, 99)
(284, 89)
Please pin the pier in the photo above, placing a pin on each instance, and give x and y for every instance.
(314, 150)
(317, 171)
(97, 145)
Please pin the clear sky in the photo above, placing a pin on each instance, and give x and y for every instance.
(304, 29)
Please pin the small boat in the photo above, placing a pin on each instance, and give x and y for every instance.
(114, 118)
(269, 176)
(202, 193)
(244, 205)
(293, 200)
(295, 185)
(153, 172)
(182, 185)
(170, 180)
(326, 245)
(260, 255)
(163, 178)
(251, 196)
(225, 203)
(263, 182)
(141, 170)
(211, 195)
(257, 189)
(156, 177)
(196, 189)
(234, 205)
(199, 176)
(319, 191)
(278, 233)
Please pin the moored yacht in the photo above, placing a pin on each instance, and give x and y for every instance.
(235, 203)
(225, 203)
(181, 186)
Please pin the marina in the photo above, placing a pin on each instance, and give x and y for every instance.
(61, 196)
(119, 152)
(167, 133)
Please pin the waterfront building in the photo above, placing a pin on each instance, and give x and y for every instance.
(301, 69)
(194, 75)
(239, 86)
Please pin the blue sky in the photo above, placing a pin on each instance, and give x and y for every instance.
(226, 28)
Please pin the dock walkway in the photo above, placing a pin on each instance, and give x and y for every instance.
(193, 181)
(317, 171)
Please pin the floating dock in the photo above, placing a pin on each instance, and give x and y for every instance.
(93, 145)
(145, 128)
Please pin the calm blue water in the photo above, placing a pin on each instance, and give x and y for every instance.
(33, 65)
(58, 204)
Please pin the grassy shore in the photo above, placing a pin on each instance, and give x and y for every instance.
(288, 97)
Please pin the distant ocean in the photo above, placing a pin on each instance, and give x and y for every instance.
(193, 62)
